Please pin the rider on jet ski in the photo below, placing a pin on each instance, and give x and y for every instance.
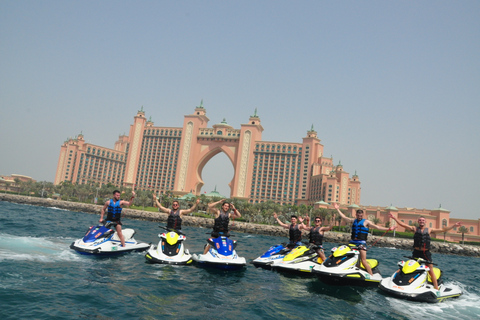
(174, 220)
(115, 212)
(421, 242)
(222, 219)
(316, 235)
(360, 229)
(294, 231)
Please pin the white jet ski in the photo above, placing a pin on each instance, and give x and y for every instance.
(343, 267)
(222, 255)
(300, 260)
(274, 253)
(103, 240)
(170, 249)
(412, 282)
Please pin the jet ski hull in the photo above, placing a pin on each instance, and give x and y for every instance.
(342, 268)
(170, 249)
(412, 282)
(102, 241)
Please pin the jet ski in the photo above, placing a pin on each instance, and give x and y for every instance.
(222, 255)
(343, 267)
(413, 282)
(300, 260)
(170, 249)
(103, 240)
(274, 253)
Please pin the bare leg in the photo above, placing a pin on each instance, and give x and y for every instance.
(363, 258)
(321, 254)
(207, 247)
(120, 234)
(433, 276)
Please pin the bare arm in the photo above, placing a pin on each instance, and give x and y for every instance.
(192, 208)
(128, 203)
(326, 228)
(159, 205)
(102, 213)
(402, 224)
(344, 217)
(280, 222)
(458, 224)
(212, 209)
(369, 224)
(236, 213)
(303, 225)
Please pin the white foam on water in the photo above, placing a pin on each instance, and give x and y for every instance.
(47, 250)
(464, 307)
(55, 208)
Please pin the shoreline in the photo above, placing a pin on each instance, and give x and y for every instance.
(244, 227)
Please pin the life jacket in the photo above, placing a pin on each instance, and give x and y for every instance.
(421, 239)
(221, 223)
(316, 237)
(294, 233)
(174, 220)
(114, 210)
(359, 232)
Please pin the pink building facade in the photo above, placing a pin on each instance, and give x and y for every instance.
(436, 219)
(163, 159)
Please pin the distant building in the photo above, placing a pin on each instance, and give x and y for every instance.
(164, 159)
(9, 183)
(435, 218)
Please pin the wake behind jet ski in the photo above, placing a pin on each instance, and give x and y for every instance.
(221, 254)
(343, 267)
(103, 240)
(413, 282)
(301, 260)
(170, 249)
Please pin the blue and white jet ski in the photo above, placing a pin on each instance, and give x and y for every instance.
(274, 253)
(413, 282)
(103, 240)
(222, 255)
(170, 249)
(343, 267)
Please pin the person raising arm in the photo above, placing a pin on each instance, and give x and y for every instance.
(360, 229)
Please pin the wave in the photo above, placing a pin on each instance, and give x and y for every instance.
(464, 307)
(21, 248)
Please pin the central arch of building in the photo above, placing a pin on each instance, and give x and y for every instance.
(200, 144)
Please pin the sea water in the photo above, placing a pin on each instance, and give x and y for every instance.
(42, 278)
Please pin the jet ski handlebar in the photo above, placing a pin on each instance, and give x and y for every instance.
(171, 229)
(420, 260)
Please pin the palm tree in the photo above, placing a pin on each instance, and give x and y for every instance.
(463, 230)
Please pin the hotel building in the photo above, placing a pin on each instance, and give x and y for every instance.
(163, 159)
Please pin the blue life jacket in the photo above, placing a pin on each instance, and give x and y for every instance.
(114, 210)
(359, 232)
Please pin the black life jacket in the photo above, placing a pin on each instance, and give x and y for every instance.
(359, 232)
(114, 210)
(174, 220)
(294, 233)
(316, 237)
(421, 240)
(221, 223)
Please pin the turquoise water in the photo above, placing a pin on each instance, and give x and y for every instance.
(42, 278)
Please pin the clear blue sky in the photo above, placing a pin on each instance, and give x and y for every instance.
(391, 87)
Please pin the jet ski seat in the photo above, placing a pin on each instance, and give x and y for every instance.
(127, 234)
